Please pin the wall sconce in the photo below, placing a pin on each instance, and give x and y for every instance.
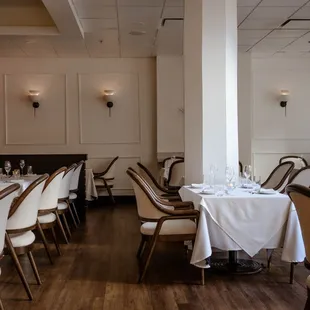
(108, 95)
(285, 94)
(34, 96)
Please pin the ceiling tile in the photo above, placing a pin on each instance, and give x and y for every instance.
(283, 3)
(252, 33)
(98, 24)
(282, 33)
(303, 13)
(158, 3)
(174, 2)
(243, 48)
(272, 12)
(70, 47)
(95, 10)
(94, 2)
(248, 2)
(243, 12)
(256, 24)
(173, 12)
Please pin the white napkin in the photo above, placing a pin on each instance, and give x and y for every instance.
(267, 191)
(197, 185)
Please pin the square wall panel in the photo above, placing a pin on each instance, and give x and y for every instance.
(48, 125)
(96, 125)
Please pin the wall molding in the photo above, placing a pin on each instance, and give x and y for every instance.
(81, 140)
(6, 136)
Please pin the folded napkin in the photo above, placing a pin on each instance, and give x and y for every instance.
(194, 185)
(208, 191)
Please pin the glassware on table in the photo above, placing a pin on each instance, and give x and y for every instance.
(247, 172)
(212, 175)
(219, 190)
(29, 170)
(22, 166)
(16, 174)
(257, 183)
(7, 167)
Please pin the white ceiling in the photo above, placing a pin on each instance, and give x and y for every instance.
(101, 28)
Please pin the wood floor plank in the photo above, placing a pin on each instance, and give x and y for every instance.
(99, 271)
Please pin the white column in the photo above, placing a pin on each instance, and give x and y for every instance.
(210, 87)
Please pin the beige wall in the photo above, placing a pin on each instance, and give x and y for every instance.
(73, 117)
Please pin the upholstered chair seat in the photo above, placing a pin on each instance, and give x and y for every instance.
(62, 206)
(22, 239)
(72, 196)
(175, 227)
(48, 218)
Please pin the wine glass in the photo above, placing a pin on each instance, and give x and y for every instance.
(213, 170)
(22, 165)
(230, 173)
(257, 183)
(29, 170)
(7, 167)
(247, 171)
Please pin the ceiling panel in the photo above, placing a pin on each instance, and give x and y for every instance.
(97, 24)
(243, 12)
(286, 33)
(95, 9)
(278, 3)
(273, 12)
(173, 12)
(141, 3)
(267, 24)
(248, 2)
(303, 13)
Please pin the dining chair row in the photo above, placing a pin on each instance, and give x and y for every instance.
(41, 206)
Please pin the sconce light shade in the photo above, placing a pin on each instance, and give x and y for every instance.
(285, 94)
(34, 95)
(108, 94)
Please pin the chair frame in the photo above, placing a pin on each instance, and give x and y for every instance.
(80, 163)
(100, 175)
(169, 194)
(289, 171)
(168, 158)
(15, 251)
(170, 174)
(63, 212)
(51, 226)
(293, 156)
(305, 191)
(182, 210)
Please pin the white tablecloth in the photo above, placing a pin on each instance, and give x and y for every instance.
(243, 221)
(91, 191)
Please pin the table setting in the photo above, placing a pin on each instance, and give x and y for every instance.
(241, 215)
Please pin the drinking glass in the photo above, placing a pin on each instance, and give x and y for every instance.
(257, 183)
(22, 165)
(29, 170)
(7, 167)
(230, 174)
(247, 171)
(212, 175)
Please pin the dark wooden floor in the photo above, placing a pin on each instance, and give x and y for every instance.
(98, 270)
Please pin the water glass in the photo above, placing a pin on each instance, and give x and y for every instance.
(257, 183)
(247, 171)
(29, 170)
(16, 174)
(7, 167)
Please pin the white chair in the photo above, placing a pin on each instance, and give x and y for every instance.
(176, 174)
(47, 215)
(74, 187)
(299, 161)
(105, 180)
(19, 238)
(63, 205)
(279, 177)
(160, 220)
(6, 197)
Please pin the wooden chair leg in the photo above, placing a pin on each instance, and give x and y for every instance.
(45, 242)
(307, 305)
(66, 224)
(72, 216)
(34, 267)
(202, 276)
(148, 259)
(61, 227)
(1, 305)
(109, 191)
(18, 266)
(141, 247)
(75, 213)
(292, 272)
(55, 241)
(269, 258)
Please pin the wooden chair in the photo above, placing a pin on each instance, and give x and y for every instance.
(63, 205)
(158, 189)
(74, 187)
(105, 179)
(279, 177)
(6, 197)
(299, 161)
(47, 215)
(240, 167)
(170, 158)
(161, 221)
(300, 196)
(19, 238)
(176, 174)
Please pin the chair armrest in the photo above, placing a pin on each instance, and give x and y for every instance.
(183, 205)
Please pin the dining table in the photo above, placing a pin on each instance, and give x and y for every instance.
(24, 181)
(244, 220)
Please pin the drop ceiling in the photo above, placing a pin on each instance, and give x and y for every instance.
(132, 28)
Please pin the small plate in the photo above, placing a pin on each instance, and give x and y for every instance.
(207, 192)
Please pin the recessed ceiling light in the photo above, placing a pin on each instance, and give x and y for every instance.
(137, 32)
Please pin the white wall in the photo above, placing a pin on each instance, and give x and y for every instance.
(73, 117)
(275, 135)
(170, 105)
